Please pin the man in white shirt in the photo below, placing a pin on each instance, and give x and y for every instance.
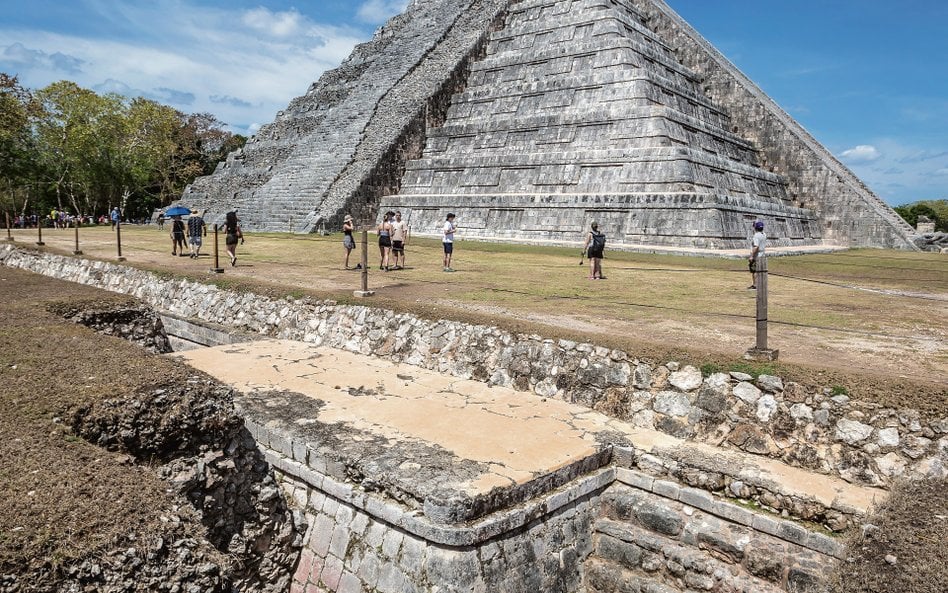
(448, 241)
(758, 250)
(399, 238)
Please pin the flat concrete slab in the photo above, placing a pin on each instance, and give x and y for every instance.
(456, 449)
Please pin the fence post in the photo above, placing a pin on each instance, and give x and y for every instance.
(365, 292)
(9, 234)
(76, 251)
(761, 351)
(39, 231)
(118, 238)
(217, 269)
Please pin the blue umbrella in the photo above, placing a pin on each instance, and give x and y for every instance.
(177, 211)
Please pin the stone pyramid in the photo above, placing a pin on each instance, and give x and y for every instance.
(531, 118)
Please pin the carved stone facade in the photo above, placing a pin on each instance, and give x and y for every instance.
(530, 119)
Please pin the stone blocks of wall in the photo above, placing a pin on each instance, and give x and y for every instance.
(680, 543)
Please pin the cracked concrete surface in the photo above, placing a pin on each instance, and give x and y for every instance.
(422, 435)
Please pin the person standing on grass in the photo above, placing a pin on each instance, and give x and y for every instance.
(594, 246)
(196, 228)
(399, 238)
(447, 241)
(385, 241)
(177, 236)
(115, 216)
(232, 234)
(758, 250)
(347, 241)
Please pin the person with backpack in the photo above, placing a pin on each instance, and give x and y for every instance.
(594, 246)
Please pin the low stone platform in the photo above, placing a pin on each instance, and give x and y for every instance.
(414, 480)
(460, 449)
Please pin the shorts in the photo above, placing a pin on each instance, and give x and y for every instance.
(398, 246)
(195, 240)
(348, 242)
(230, 239)
(752, 265)
(448, 248)
(594, 254)
(177, 236)
(385, 241)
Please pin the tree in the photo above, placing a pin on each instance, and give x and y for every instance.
(18, 156)
(935, 210)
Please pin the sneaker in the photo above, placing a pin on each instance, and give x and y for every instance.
(752, 287)
(449, 269)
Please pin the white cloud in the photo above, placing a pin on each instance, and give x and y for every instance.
(275, 24)
(379, 11)
(903, 173)
(864, 153)
(241, 65)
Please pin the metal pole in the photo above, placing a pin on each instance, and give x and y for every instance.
(365, 292)
(217, 269)
(118, 237)
(39, 231)
(9, 234)
(76, 250)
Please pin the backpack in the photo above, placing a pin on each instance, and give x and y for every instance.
(598, 242)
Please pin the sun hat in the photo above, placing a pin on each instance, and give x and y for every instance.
(348, 218)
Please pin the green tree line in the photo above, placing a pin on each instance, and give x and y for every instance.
(935, 210)
(72, 149)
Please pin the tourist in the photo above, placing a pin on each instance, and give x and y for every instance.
(447, 241)
(594, 246)
(758, 247)
(399, 239)
(232, 234)
(347, 241)
(385, 241)
(177, 236)
(115, 216)
(196, 228)
(161, 220)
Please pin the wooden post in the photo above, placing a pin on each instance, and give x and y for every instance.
(118, 238)
(365, 292)
(217, 269)
(9, 234)
(761, 351)
(39, 231)
(76, 250)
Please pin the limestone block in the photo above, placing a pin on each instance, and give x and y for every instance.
(852, 432)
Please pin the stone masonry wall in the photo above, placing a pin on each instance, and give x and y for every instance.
(806, 428)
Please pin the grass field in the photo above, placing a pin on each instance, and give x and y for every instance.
(873, 320)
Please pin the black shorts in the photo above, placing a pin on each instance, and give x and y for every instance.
(752, 265)
(385, 241)
(448, 247)
(230, 239)
(398, 246)
(594, 253)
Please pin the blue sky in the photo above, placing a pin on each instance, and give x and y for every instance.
(868, 78)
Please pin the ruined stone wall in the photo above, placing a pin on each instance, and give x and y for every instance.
(805, 427)
(850, 212)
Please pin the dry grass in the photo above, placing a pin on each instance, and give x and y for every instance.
(61, 498)
(874, 322)
(910, 529)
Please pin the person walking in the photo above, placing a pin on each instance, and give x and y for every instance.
(177, 236)
(447, 240)
(385, 241)
(115, 216)
(593, 248)
(758, 250)
(347, 241)
(399, 239)
(196, 228)
(232, 234)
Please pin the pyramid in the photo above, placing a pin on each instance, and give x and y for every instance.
(530, 119)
